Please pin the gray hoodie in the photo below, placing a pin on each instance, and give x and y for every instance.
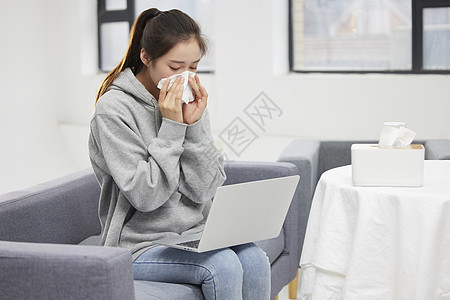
(157, 176)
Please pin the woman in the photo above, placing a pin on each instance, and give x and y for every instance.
(152, 157)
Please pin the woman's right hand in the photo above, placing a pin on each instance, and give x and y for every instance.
(170, 102)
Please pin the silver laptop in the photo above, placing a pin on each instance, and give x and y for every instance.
(241, 213)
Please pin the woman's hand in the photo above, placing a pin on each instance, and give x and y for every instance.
(193, 111)
(170, 102)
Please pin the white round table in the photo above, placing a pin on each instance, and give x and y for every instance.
(378, 243)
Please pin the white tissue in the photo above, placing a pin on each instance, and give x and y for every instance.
(188, 95)
(395, 134)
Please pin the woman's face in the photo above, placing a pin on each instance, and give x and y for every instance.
(185, 56)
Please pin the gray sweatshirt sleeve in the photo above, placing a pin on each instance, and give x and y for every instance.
(202, 170)
(146, 174)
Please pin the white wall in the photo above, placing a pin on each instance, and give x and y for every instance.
(315, 105)
(31, 149)
(48, 74)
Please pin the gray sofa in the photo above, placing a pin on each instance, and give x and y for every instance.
(314, 157)
(41, 228)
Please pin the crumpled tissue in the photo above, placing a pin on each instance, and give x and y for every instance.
(188, 94)
(395, 134)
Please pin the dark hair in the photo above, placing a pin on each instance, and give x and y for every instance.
(157, 32)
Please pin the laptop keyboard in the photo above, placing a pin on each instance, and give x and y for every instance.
(190, 244)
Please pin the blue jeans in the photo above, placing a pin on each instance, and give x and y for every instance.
(241, 272)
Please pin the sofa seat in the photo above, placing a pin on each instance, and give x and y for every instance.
(146, 290)
(273, 247)
(156, 290)
(42, 227)
(151, 290)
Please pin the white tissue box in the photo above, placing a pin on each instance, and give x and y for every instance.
(376, 166)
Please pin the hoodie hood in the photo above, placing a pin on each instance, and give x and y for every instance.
(128, 83)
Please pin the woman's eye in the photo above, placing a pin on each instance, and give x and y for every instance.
(175, 69)
(193, 68)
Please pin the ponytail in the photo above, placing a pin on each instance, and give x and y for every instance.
(132, 58)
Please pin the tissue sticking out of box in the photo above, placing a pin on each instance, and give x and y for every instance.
(395, 134)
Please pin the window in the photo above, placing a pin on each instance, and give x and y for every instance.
(370, 36)
(436, 38)
(115, 18)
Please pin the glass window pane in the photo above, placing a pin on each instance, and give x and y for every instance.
(116, 4)
(114, 42)
(346, 35)
(200, 10)
(436, 38)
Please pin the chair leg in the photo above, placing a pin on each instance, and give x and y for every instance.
(276, 297)
(293, 287)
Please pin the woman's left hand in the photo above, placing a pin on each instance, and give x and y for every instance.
(193, 111)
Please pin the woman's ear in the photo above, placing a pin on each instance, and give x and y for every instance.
(144, 58)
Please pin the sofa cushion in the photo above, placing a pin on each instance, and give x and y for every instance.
(273, 247)
(437, 149)
(91, 241)
(146, 290)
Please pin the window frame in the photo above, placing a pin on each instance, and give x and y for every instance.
(111, 16)
(417, 42)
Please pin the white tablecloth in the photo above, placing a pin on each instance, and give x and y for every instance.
(378, 242)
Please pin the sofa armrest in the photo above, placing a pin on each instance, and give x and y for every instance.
(62, 211)
(52, 271)
(437, 149)
(238, 172)
(305, 155)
